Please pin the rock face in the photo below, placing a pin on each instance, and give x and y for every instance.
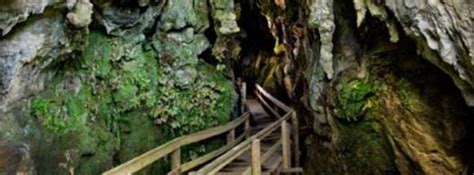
(444, 33)
(386, 86)
(13, 12)
(81, 16)
(78, 99)
(388, 111)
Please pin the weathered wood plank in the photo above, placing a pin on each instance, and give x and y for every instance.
(285, 140)
(203, 159)
(256, 153)
(247, 128)
(265, 103)
(243, 92)
(273, 99)
(231, 154)
(296, 138)
(271, 151)
(222, 164)
(230, 136)
(274, 167)
(151, 156)
(176, 160)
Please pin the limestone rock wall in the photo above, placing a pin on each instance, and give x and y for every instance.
(384, 85)
(383, 113)
(86, 85)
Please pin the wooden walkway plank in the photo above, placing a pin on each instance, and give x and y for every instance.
(151, 156)
(269, 147)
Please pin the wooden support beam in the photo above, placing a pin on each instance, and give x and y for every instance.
(226, 161)
(231, 136)
(243, 98)
(151, 156)
(209, 156)
(176, 161)
(247, 128)
(256, 157)
(296, 138)
(238, 149)
(286, 144)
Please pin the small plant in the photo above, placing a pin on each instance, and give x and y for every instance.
(352, 99)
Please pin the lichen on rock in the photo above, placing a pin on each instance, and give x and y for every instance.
(225, 17)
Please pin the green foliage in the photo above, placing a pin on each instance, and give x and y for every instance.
(204, 103)
(60, 118)
(113, 83)
(352, 99)
(112, 97)
(366, 148)
(48, 115)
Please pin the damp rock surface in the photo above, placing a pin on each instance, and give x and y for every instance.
(386, 87)
(87, 85)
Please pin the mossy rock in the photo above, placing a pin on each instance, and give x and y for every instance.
(107, 101)
(352, 99)
(366, 148)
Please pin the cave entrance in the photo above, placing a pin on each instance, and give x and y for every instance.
(256, 42)
(264, 52)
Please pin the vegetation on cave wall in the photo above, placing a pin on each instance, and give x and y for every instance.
(118, 89)
(88, 84)
(382, 113)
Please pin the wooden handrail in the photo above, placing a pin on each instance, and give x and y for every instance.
(239, 149)
(272, 99)
(153, 155)
(265, 103)
(198, 161)
(234, 147)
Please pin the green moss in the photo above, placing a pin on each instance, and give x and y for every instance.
(352, 99)
(409, 95)
(62, 114)
(48, 115)
(203, 104)
(110, 98)
(97, 55)
(366, 148)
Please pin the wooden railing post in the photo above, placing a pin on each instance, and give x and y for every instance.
(296, 138)
(176, 162)
(286, 144)
(243, 93)
(247, 128)
(256, 157)
(231, 136)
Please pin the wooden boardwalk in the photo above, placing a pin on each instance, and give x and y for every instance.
(270, 146)
(266, 144)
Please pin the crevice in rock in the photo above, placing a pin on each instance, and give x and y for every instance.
(256, 41)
